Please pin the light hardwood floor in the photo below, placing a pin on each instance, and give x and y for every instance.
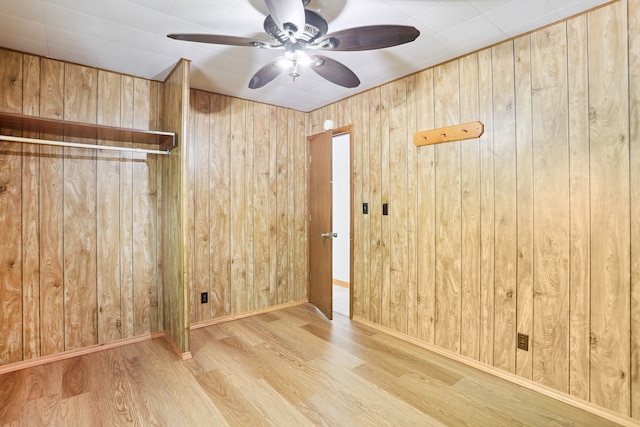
(286, 368)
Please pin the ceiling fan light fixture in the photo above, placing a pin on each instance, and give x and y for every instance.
(298, 31)
(297, 54)
(284, 63)
(294, 72)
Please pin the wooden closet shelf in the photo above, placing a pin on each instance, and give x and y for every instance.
(21, 123)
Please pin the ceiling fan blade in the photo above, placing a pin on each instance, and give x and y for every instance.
(334, 71)
(289, 15)
(369, 37)
(266, 74)
(225, 40)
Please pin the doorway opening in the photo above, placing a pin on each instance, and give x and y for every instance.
(341, 218)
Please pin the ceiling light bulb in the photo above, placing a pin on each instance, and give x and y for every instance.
(284, 63)
(303, 58)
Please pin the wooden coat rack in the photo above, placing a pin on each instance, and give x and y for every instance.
(450, 133)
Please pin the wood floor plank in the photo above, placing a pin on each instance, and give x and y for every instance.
(274, 407)
(191, 401)
(230, 399)
(274, 370)
(122, 407)
(380, 407)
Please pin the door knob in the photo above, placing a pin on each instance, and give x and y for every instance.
(329, 235)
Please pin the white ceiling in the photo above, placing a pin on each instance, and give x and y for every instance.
(129, 36)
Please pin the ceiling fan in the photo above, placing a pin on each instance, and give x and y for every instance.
(298, 31)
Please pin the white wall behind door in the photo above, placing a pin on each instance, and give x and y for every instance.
(341, 207)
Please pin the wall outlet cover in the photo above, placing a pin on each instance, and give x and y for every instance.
(523, 342)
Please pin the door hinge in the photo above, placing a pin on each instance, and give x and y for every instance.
(309, 217)
(309, 158)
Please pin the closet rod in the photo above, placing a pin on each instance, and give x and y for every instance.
(78, 145)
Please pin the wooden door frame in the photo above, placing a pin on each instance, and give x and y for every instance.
(344, 130)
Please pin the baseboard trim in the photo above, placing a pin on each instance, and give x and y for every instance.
(542, 389)
(79, 352)
(11, 367)
(245, 314)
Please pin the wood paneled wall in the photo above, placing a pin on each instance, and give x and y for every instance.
(78, 253)
(532, 228)
(249, 205)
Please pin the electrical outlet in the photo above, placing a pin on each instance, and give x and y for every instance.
(523, 342)
(365, 208)
(204, 298)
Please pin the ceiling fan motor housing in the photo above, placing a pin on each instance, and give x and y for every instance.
(315, 27)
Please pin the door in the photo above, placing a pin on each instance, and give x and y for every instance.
(320, 233)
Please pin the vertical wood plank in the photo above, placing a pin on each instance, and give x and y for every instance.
(314, 125)
(31, 72)
(504, 131)
(252, 139)
(366, 194)
(398, 205)
(361, 122)
(291, 203)
(11, 81)
(80, 275)
(375, 207)
(161, 221)
(261, 207)
(610, 217)
(108, 214)
(155, 179)
(426, 212)
(220, 199)
(551, 207)
(634, 167)
(30, 210)
(448, 215)
(281, 210)
(126, 215)
(470, 213)
(301, 266)
(358, 266)
(144, 206)
(412, 209)
(237, 206)
(385, 290)
(524, 178)
(271, 295)
(194, 303)
(11, 256)
(344, 111)
(51, 214)
(202, 199)
(487, 206)
(579, 315)
(187, 205)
